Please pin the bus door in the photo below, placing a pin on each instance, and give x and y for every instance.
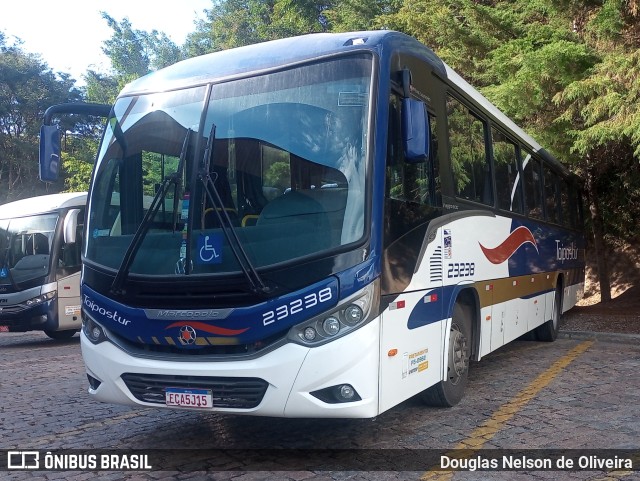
(68, 270)
(411, 285)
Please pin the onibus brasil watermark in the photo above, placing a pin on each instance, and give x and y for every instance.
(36, 460)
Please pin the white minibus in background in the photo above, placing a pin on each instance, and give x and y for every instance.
(40, 244)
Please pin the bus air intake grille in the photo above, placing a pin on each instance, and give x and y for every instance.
(228, 392)
(435, 265)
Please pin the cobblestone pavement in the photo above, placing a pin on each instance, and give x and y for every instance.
(571, 394)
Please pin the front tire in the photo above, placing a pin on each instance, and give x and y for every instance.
(60, 335)
(449, 392)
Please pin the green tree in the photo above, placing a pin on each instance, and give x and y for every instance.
(27, 88)
(126, 49)
(603, 112)
(567, 73)
(355, 15)
(235, 23)
(134, 53)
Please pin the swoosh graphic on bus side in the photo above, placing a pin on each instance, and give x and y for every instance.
(201, 326)
(511, 244)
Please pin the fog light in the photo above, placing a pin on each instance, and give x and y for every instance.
(347, 392)
(309, 334)
(338, 394)
(331, 326)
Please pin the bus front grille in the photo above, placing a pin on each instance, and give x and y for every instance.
(228, 392)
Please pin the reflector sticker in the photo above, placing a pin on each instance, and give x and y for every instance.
(396, 305)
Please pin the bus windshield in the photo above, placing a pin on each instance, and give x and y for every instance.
(285, 151)
(25, 247)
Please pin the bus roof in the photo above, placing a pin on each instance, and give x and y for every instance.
(42, 204)
(255, 58)
(273, 54)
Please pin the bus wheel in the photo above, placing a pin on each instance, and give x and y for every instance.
(548, 331)
(59, 335)
(449, 391)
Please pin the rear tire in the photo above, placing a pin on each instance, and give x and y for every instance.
(449, 392)
(60, 335)
(548, 332)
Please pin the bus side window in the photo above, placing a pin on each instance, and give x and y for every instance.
(567, 214)
(506, 164)
(532, 185)
(551, 195)
(469, 161)
(408, 182)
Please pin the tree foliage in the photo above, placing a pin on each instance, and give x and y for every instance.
(235, 23)
(566, 71)
(27, 88)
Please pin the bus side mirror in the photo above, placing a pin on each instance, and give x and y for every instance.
(49, 153)
(415, 131)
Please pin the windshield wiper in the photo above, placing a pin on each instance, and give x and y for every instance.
(255, 281)
(174, 178)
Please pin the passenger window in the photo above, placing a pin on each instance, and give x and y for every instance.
(505, 161)
(533, 185)
(471, 167)
(551, 195)
(566, 211)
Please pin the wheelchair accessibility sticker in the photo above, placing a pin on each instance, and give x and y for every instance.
(209, 249)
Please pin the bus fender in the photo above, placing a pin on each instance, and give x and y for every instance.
(467, 293)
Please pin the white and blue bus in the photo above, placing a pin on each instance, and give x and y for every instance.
(40, 242)
(320, 226)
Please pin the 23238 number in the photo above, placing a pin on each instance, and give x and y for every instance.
(296, 306)
(461, 269)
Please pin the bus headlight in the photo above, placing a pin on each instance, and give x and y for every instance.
(40, 299)
(92, 330)
(331, 326)
(351, 314)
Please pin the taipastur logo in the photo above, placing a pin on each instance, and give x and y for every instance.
(92, 306)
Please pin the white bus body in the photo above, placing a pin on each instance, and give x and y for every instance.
(320, 226)
(41, 241)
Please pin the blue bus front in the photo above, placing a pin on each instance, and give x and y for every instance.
(28, 291)
(228, 261)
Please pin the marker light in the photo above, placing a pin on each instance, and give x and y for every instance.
(309, 334)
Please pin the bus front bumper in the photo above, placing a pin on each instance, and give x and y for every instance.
(23, 319)
(292, 373)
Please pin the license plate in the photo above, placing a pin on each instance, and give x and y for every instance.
(4, 328)
(188, 398)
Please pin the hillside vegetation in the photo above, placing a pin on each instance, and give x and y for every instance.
(567, 71)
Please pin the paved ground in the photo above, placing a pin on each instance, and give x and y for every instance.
(569, 395)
